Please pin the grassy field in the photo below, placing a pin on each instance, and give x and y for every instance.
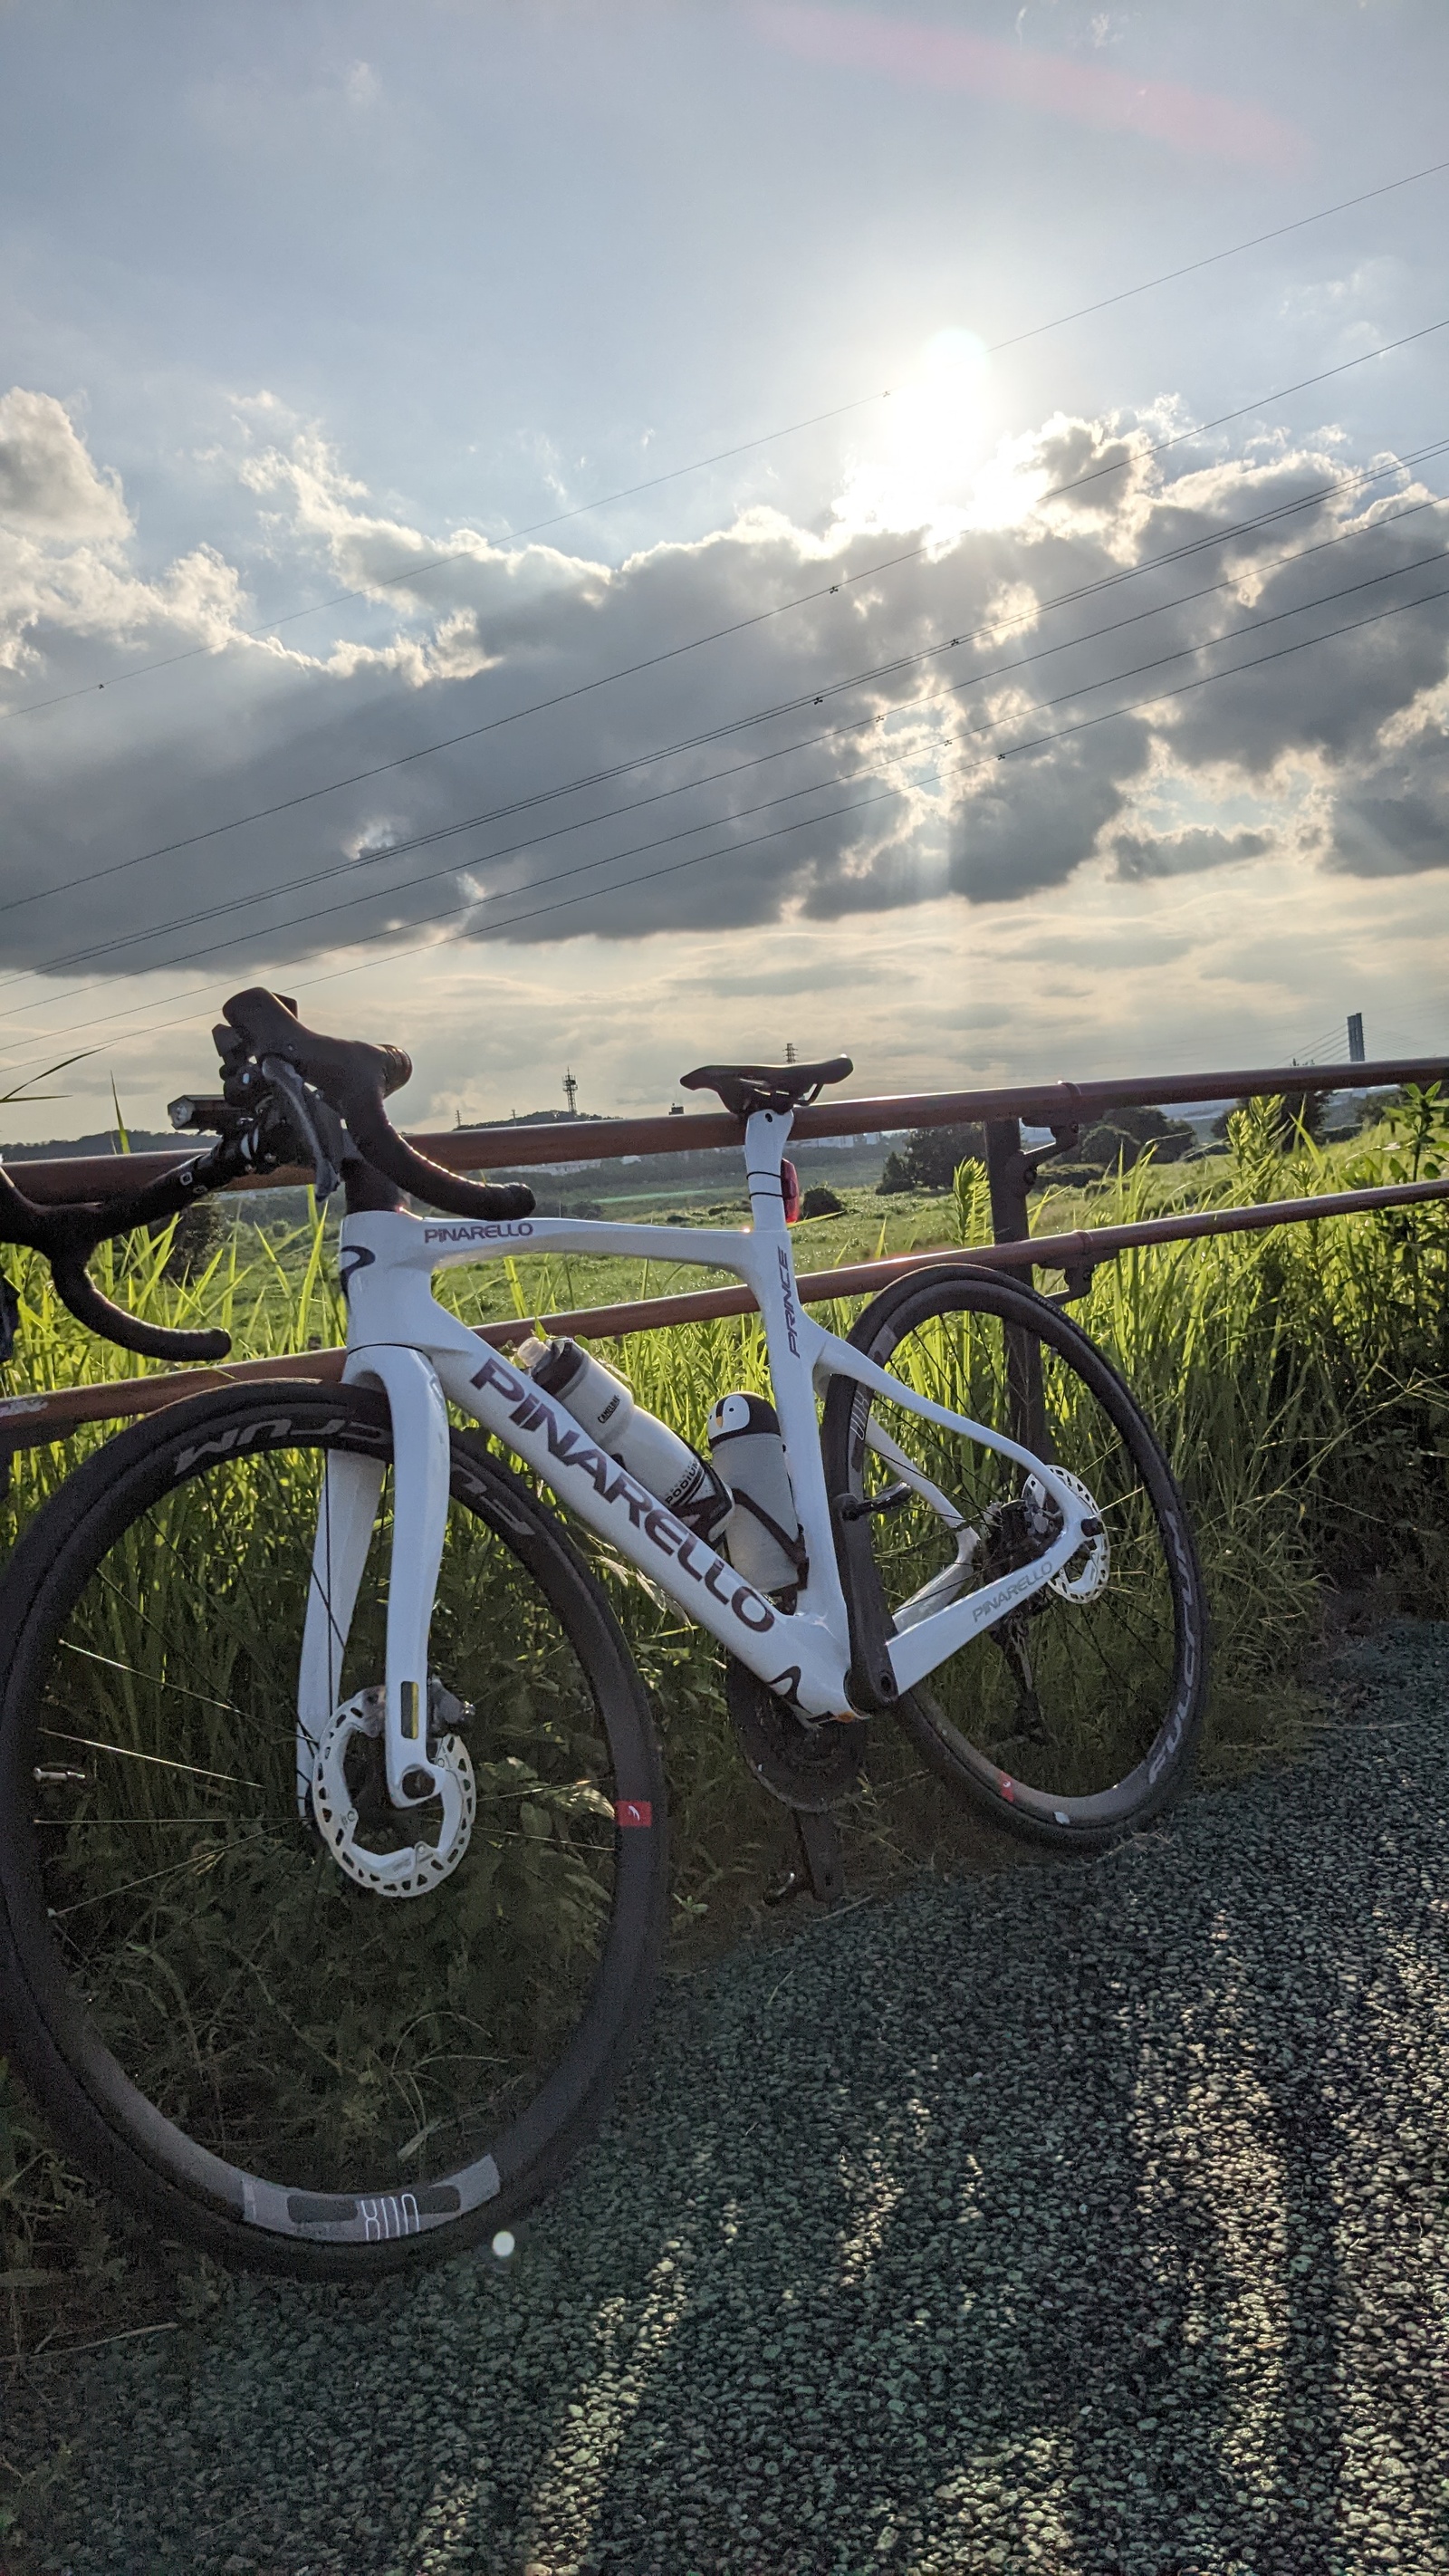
(1298, 1378)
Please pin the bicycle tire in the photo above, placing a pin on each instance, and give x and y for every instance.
(235, 2040)
(1070, 1722)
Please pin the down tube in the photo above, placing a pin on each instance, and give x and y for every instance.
(793, 1655)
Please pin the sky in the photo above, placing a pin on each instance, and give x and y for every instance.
(618, 536)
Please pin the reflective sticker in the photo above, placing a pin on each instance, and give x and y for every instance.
(411, 1700)
(633, 1811)
(1007, 1786)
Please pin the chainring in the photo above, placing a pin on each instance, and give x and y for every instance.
(804, 1765)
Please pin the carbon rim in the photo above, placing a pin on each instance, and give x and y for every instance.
(263, 2037)
(1074, 1720)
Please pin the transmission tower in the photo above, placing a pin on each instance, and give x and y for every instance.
(571, 1092)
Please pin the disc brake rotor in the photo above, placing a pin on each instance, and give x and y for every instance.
(349, 1797)
(1083, 1575)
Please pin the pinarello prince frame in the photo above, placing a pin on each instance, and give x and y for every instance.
(400, 1339)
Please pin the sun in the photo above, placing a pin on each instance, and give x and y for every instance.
(934, 437)
(937, 417)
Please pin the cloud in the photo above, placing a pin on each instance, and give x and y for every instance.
(831, 753)
(1049, 84)
(65, 581)
(1395, 820)
(49, 488)
(362, 88)
(1182, 854)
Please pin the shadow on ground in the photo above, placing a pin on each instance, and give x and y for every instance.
(1087, 2218)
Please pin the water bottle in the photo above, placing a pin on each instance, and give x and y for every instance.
(604, 1403)
(764, 1542)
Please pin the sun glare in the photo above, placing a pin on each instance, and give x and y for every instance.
(933, 441)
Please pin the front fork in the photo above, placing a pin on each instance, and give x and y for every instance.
(346, 1518)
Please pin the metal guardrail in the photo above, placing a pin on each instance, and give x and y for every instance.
(604, 1140)
(30, 1421)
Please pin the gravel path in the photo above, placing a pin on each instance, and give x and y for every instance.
(1086, 2219)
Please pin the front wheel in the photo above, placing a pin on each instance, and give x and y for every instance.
(1074, 1719)
(270, 2057)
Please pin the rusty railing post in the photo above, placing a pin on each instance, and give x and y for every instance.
(1008, 1175)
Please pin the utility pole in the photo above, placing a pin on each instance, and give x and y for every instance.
(571, 1092)
(1356, 1053)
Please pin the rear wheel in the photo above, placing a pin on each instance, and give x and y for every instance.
(1075, 1717)
(273, 2058)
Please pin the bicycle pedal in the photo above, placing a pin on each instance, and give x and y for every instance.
(790, 1883)
(859, 1507)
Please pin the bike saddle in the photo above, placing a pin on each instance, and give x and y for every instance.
(746, 1087)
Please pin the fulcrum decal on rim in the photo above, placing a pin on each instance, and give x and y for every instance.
(243, 1435)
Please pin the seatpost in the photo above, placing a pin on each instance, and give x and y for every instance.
(1008, 1174)
(767, 1133)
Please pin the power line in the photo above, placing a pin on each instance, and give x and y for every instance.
(1159, 662)
(858, 804)
(458, 554)
(677, 867)
(745, 447)
(1308, 1050)
(1190, 267)
(1161, 696)
(351, 903)
(738, 626)
(111, 946)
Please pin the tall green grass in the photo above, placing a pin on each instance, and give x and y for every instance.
(1299, 1380)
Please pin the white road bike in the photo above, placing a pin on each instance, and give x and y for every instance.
(333, 1871)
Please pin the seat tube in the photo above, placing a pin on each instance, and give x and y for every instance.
(766, 1137)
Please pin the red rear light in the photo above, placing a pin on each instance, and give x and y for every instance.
(790, 1190)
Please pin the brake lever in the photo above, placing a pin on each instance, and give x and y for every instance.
(315, 1119)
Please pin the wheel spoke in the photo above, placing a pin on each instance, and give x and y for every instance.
(132, 1753)
(117, 1666)
(261, 2001)
(1066, 1696)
